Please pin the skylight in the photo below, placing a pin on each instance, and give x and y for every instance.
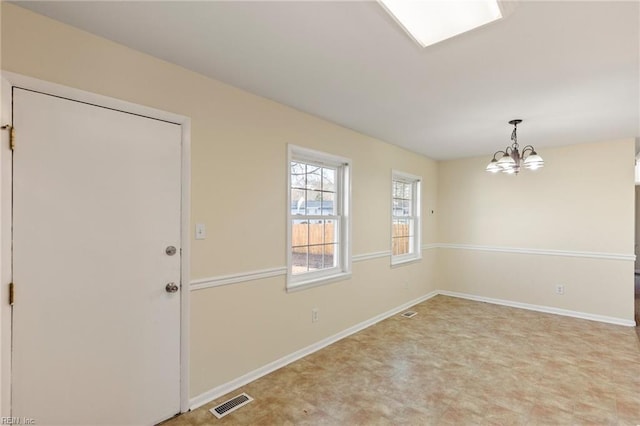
(431, 21)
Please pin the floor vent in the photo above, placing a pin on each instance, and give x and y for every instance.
(409, 314)
(231, 405)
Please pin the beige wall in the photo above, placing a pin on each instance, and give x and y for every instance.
(581, 201)
(238, 190)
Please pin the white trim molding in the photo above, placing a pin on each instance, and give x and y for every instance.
(541, 308)
(9, 80)
(544, 252)
(6, 273)
(225, 388)
(341, 217)
(430, 246)
(370, 256)
(221, 280)
(414, 218)
(240, 277)
(185, 265)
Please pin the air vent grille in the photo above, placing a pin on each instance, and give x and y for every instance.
(231, 405)
(409, 314)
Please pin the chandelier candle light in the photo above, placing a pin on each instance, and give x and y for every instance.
(512, 159)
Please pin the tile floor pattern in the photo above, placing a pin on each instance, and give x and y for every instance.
(457, 362)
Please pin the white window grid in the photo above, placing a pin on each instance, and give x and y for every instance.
(334, 220)
(405, 216)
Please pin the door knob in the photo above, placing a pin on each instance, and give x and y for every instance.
(172, 288)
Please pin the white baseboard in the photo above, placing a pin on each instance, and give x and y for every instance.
(225, 388)
(540, 308)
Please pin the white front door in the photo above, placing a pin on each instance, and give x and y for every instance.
(96, 202)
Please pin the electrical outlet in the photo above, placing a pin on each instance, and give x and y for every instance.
(559, 289)
(315, 315)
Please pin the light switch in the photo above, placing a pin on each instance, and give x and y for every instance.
(201, 231)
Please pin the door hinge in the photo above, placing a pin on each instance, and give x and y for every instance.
(11, 293)
(12, 135)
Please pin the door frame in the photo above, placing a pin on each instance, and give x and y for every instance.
(9, 80)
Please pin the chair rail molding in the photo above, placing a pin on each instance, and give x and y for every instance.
(543, 252)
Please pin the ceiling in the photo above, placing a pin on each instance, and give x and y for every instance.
(569, 69)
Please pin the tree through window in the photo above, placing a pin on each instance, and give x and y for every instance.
(317, 224)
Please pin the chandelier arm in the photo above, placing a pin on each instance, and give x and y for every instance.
(524, 151)
(498, 152)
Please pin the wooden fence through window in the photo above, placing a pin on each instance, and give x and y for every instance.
(303, 234)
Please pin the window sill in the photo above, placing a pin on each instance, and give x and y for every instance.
(405, 261)
(316, 282)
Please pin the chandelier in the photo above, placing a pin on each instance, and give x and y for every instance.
(512, 159)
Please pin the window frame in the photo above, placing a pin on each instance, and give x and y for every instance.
(342, 218)
(415, 245)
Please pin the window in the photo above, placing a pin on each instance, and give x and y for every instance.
(318, 211)
(405, 218)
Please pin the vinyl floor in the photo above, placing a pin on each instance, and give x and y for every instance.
(457, 362)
